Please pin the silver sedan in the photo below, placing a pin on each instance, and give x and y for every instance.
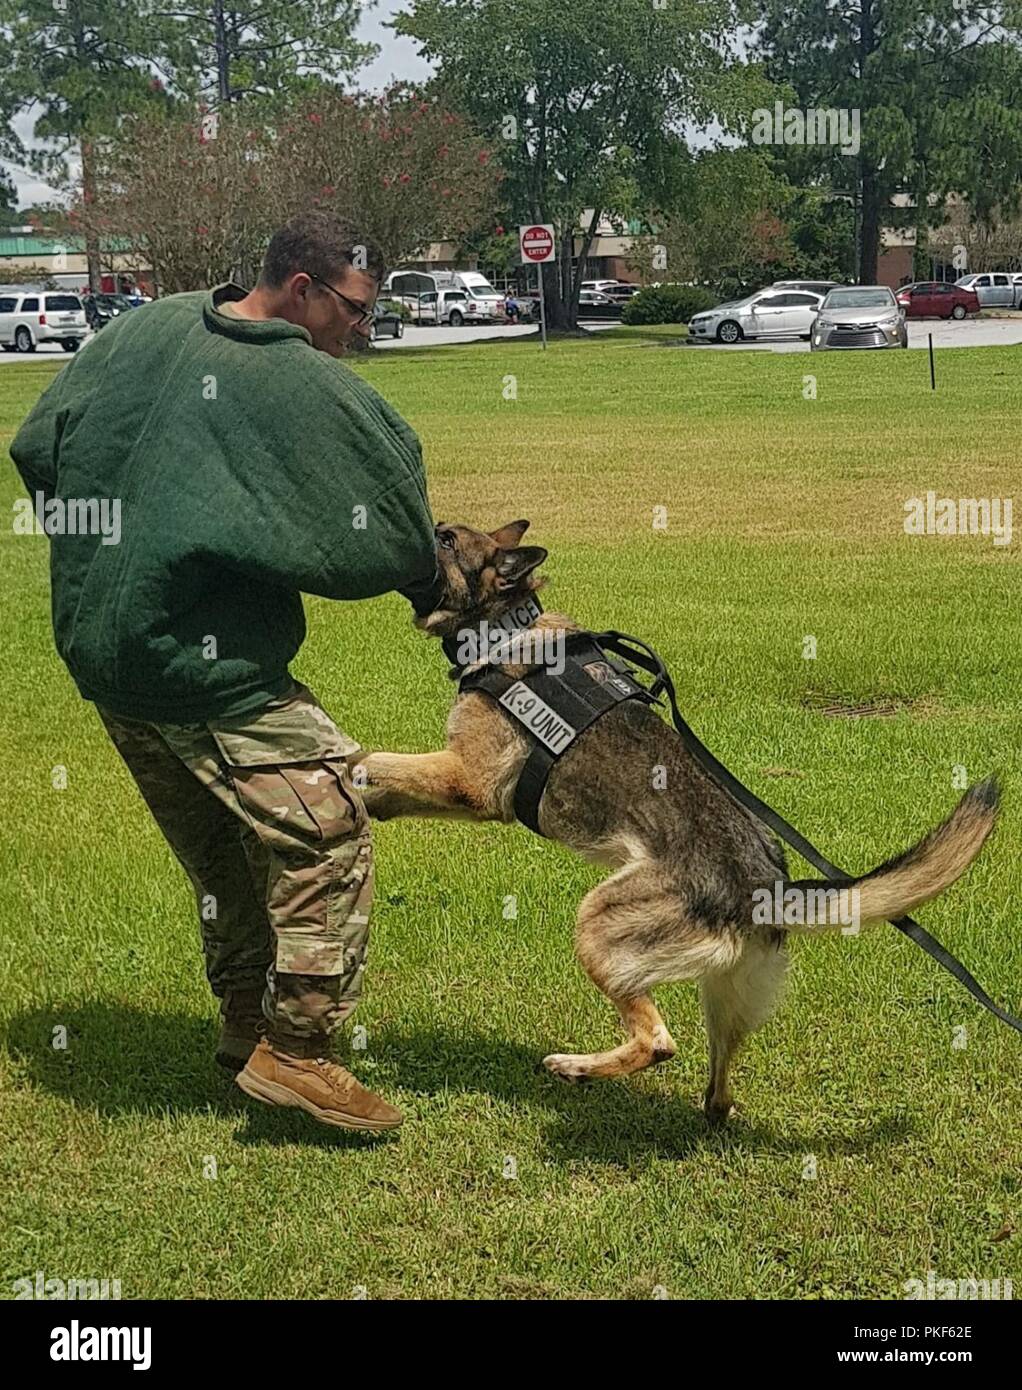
(860, 316)
(770, 313)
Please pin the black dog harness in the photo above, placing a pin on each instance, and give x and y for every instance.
(597, 675)
(553, 708)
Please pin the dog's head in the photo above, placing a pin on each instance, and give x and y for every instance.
(484, 572)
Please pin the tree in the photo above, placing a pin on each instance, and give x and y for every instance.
(492, 247)
(729, 232)
(88, 65)
(936, 84)
(402, 166)
(198, 198)
(9, 215)
(80, 65)
(43, 218)
(993, 242)
(183, 195)
(581, 100)
(822, 231)
(222, 52)
(739, 224)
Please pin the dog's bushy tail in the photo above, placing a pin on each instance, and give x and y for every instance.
(903, 883)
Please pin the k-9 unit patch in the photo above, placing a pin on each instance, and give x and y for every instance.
(536, 715)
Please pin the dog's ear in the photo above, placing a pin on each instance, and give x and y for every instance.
(507, 537)
(514, 565)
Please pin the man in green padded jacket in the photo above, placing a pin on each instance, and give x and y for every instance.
(250, 467)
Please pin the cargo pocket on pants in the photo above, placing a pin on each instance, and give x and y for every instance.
(294, 805)
(291, 778)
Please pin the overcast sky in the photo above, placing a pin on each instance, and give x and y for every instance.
(397, 60)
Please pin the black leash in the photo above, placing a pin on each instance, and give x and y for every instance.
(648, 660)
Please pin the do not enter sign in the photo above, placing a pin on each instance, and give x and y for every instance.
(537, 243)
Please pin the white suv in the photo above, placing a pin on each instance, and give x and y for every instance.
(30, 317)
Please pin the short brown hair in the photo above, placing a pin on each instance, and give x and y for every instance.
(320, 244)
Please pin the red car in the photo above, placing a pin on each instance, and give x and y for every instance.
(936, 300)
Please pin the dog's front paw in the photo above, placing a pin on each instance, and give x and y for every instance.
(370, 787)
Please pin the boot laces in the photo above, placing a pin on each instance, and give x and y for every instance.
(339, 1076)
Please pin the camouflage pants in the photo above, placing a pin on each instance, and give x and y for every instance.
(262, 815)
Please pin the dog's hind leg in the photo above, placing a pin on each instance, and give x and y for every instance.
(735, 1003)
(631, 934)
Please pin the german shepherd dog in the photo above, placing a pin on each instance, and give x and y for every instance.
(687, 858)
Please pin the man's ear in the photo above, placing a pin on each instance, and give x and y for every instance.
(514, 565)
(508, 536)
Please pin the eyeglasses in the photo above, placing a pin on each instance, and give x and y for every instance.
(364, 315)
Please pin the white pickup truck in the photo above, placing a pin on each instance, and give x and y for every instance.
(995, 289)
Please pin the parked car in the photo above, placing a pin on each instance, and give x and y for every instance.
(995, 289)
(387, 323)
(859, 316)
(101, 308)
(37, 316)
(593, 305)
(936, 299)
(622, 292)
(600, 286)
(769, 313)
(455, 307)
(820, 287)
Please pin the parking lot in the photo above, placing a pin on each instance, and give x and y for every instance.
(1006, 332)
(981, 332)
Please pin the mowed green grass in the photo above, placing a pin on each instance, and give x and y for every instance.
(879, 1127)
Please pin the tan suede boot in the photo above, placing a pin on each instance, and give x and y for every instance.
(320, 1086)
(243, 1024)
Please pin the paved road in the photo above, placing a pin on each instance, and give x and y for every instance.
(969, 333)
(1006, 332)
(424, 335)
(428, 337)
(413, 337)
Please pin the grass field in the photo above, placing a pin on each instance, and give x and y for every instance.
(879, 1128)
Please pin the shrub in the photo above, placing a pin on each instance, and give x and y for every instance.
(30, 275)
(396, 306)
(667, 304)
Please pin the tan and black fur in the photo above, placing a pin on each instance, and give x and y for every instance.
(685, 859)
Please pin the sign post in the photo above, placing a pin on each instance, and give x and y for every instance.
(536, 246)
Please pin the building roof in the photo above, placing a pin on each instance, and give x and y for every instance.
(39, 245)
